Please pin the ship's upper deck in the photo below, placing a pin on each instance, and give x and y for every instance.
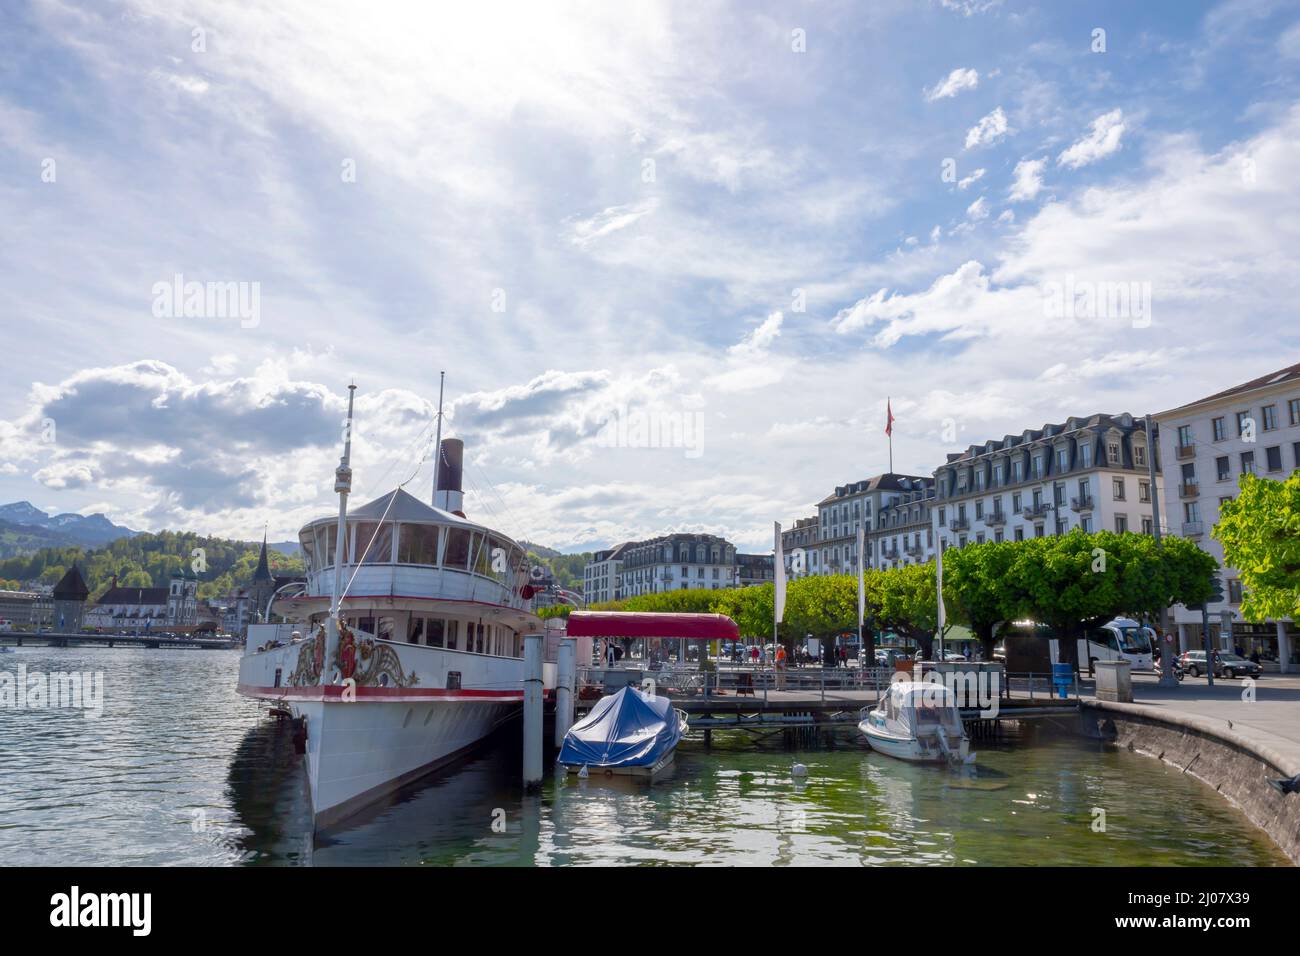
(397, 545)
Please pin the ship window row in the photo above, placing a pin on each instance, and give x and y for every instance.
(426, 545)
(469, 636)
(450, 633)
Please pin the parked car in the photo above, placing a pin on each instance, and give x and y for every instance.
(1233, 665)
(1225, 665)
(951, 656)
(1193, 662)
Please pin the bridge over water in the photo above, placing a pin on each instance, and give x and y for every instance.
(78, 639)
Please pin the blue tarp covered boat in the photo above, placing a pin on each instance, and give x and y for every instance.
(628, 732)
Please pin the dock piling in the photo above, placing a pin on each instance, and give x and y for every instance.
(565, 668)
(532, 712)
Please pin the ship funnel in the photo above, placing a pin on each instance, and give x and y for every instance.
(448, 495)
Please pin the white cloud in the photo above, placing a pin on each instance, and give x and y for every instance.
(1028, 180)
(959, 79)
(963, 304)
(972, 178)
(969, 8)
(988, 130)
(1115, 363)
(760, 339)
(977, 210)
(749, 365)
(1209, 242)
(584, 232)
(1102, 140)
(1288, 44)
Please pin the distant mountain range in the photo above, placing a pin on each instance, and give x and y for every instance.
(24, 528)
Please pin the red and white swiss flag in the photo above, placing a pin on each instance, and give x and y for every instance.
(889, 419)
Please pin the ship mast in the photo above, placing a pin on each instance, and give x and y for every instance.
(342, 485)
(437, 442)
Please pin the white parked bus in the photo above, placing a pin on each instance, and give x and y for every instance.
(1120, 639)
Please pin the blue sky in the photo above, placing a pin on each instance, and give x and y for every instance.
(587, 213)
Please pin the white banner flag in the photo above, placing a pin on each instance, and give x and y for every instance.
(778, 577)
(942, 616)
(862, 586)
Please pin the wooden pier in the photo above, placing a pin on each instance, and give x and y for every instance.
(827, 707)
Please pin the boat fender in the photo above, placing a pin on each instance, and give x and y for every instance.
(582, 774)
(798, 770)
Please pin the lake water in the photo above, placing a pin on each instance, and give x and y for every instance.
(181, 770)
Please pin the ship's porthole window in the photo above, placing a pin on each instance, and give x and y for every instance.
(383, 680)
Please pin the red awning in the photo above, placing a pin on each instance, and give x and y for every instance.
(695, 627)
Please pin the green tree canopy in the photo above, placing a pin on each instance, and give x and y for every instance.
(1260, 534)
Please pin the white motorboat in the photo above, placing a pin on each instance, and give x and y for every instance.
(918, 721)
(419, 659)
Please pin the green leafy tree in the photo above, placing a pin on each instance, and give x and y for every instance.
(976, 591)
(820, 605)
(906, 601)
(1076, 581)
(1260, 534)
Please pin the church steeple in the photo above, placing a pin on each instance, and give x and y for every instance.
(263, 572)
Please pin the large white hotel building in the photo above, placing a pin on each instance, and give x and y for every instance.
(1208, 444)
(1089, 472)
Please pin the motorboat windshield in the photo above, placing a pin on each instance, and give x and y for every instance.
(917, 709)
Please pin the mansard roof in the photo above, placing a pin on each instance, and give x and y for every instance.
(1097, 424)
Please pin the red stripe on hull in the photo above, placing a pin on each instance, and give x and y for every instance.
(335, 692)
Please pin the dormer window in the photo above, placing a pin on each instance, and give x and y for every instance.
(1063, 459)
(1139, 454)
(1018, 470)
(1085, 454)
(1112, 452)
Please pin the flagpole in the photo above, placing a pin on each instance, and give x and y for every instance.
(889, 430)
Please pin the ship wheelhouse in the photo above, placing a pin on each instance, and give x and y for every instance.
(419, 575)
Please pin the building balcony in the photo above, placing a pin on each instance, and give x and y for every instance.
(1036, 511)
(995, 518)
(889, 554)
(1183, 452)
(915, 550)
(1082, 503)
(1193, 528)
(959, 524)
(1189, 489)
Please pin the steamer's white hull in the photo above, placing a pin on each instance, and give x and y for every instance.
(395, 725)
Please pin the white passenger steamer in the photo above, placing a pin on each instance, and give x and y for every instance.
(418, 660)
